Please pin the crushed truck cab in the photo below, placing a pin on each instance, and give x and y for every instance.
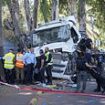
(61, 37)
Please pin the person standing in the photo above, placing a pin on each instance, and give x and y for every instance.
(19, 67)
(27, 67)
(49, 65)
(9, 64)
(81, 71)
(29, 61)
(41, 67)
(33, 63)
(91, 64)
(98, 70)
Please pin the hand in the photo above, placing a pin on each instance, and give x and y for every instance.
(94, 66)
(40, 69)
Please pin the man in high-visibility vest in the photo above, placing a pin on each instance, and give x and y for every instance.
(9, 71)
(19, 67)
(49, 64)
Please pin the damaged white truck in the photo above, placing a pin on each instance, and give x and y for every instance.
(61, 37)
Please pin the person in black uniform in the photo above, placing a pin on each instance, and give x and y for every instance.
(81, 71)
(98, 69)
(42, 59)
(91, 66)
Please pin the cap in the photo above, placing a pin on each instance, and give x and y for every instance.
(41, 51)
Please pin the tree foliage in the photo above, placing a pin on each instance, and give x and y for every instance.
(98, 11)
(45, 9)
(63, 7)
(97, 8)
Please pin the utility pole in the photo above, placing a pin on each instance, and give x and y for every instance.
(82, 17)
(55, 9)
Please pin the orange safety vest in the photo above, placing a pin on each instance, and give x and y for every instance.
(19, 61)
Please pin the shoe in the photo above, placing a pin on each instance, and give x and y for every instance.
(76, 91)
(74, 85)
(37, 82)
(22, 82)
(103, 91)
(48, 83)
(17, 81)
(82, 91)
(43, 84)
(97, 90)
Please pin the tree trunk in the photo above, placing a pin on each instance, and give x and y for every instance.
(16, 7)
(45, 10)
(28, 15)
(1, 45)
(55, 9)
(1, 35)
(15, 16)
(13, 6)
(55, 4)
(82, 17)
(72, 7)
(35, 12)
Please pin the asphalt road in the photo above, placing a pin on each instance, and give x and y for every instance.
(11, 96)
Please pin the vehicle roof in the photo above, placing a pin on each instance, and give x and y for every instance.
(48, 26)
(56, 23)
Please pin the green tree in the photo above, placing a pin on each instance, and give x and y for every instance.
(98, 11)
(35, 13)
(45, 7)
(28, 15)
(55, 9)
(13, 6)
(82, 17)
(63, 7)
(72, 7)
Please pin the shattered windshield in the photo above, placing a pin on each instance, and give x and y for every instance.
(55, 34)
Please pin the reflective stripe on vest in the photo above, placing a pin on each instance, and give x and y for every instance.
(9, 61)
(47, 57)
(19, 60)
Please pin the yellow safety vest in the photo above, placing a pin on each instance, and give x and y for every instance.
(47, 57)
(9, 60)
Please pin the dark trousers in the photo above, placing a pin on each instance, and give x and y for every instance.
(49, 73)
(28, 73)
(42, 75)
(81, 80)
(98, 84)
(96, 74)
(32, 70)
(36, 74)
(37, 77)
(10, 75)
